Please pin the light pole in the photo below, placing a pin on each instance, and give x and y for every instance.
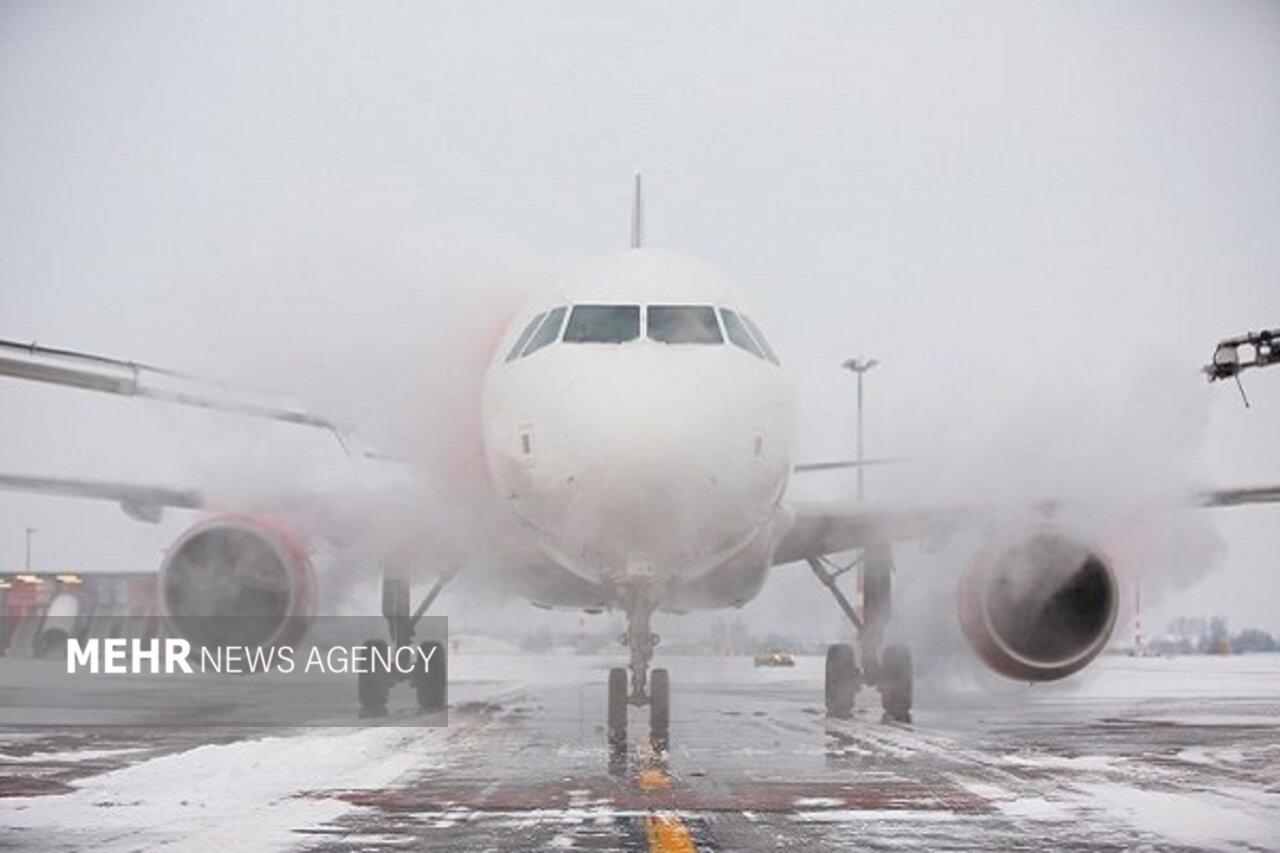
(860, 366)
(30, 530)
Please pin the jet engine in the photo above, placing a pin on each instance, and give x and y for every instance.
(1038, 607)
(235, 581)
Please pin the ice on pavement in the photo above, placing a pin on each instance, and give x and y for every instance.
(245, 795)
(1212, 819)
(1075, 765)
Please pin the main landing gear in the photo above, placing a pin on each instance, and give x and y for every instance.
(888, 669)
(430, 682)
(652, 689)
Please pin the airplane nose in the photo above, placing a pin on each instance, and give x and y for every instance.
(649, 483)
(654, 442)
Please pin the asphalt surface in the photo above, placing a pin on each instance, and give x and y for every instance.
(1140, 754)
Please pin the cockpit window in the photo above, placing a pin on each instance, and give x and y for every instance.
(684, 324)
(524, 336)
(548, 331)
(603, 324)
(760, 339)
(738, 334)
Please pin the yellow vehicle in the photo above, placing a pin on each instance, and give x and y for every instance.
(775, 657)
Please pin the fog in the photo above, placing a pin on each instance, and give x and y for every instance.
(1039, 218)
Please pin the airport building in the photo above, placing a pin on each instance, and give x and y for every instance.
(40, 610)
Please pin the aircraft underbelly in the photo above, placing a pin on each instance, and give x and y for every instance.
(729, 579)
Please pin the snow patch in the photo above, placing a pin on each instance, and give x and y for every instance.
(242, 795)
(817, 803)
(1203, 819)
(858, 816)
(70, 757)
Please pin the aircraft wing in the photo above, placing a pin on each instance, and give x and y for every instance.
(140, 502)
(103, 490)
(101, 374)
(818, 529)
(806, 467)
(1239, 496)
(91, 372)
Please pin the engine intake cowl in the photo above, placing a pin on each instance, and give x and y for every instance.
(1040, 607)
(237, 582)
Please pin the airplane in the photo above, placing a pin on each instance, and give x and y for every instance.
(637, 432)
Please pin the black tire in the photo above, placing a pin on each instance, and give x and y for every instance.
(51, 644)
(373, 687)
(896, 679)
(431, 685)
(842, 680)
(659, 709)
(618, 708)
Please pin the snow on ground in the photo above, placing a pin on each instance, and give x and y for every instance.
(250, 794)
(1080, 763)
(237, 796)
(1212, 819)
(1118, 677)
(72, 756)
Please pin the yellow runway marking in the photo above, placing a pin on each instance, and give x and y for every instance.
(668, 834)
(653, 780)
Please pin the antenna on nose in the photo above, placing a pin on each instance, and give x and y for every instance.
(637, 216)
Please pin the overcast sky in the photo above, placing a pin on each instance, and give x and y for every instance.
(1039, 217)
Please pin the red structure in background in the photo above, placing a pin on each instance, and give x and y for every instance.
(40, 610)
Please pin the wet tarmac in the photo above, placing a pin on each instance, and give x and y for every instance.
(1140, 754)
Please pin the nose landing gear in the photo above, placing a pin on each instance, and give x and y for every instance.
(641, 641)
(653, 691)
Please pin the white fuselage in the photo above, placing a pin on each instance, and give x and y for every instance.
(644, 441)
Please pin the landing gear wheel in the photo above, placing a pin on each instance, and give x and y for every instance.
(51, 643)
(430, 681)
(842, 680)
(896, 683)
(373, 687)
(618, 708)
(659, 709)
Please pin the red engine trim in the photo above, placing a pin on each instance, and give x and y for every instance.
(292, 553)
(972, 605)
